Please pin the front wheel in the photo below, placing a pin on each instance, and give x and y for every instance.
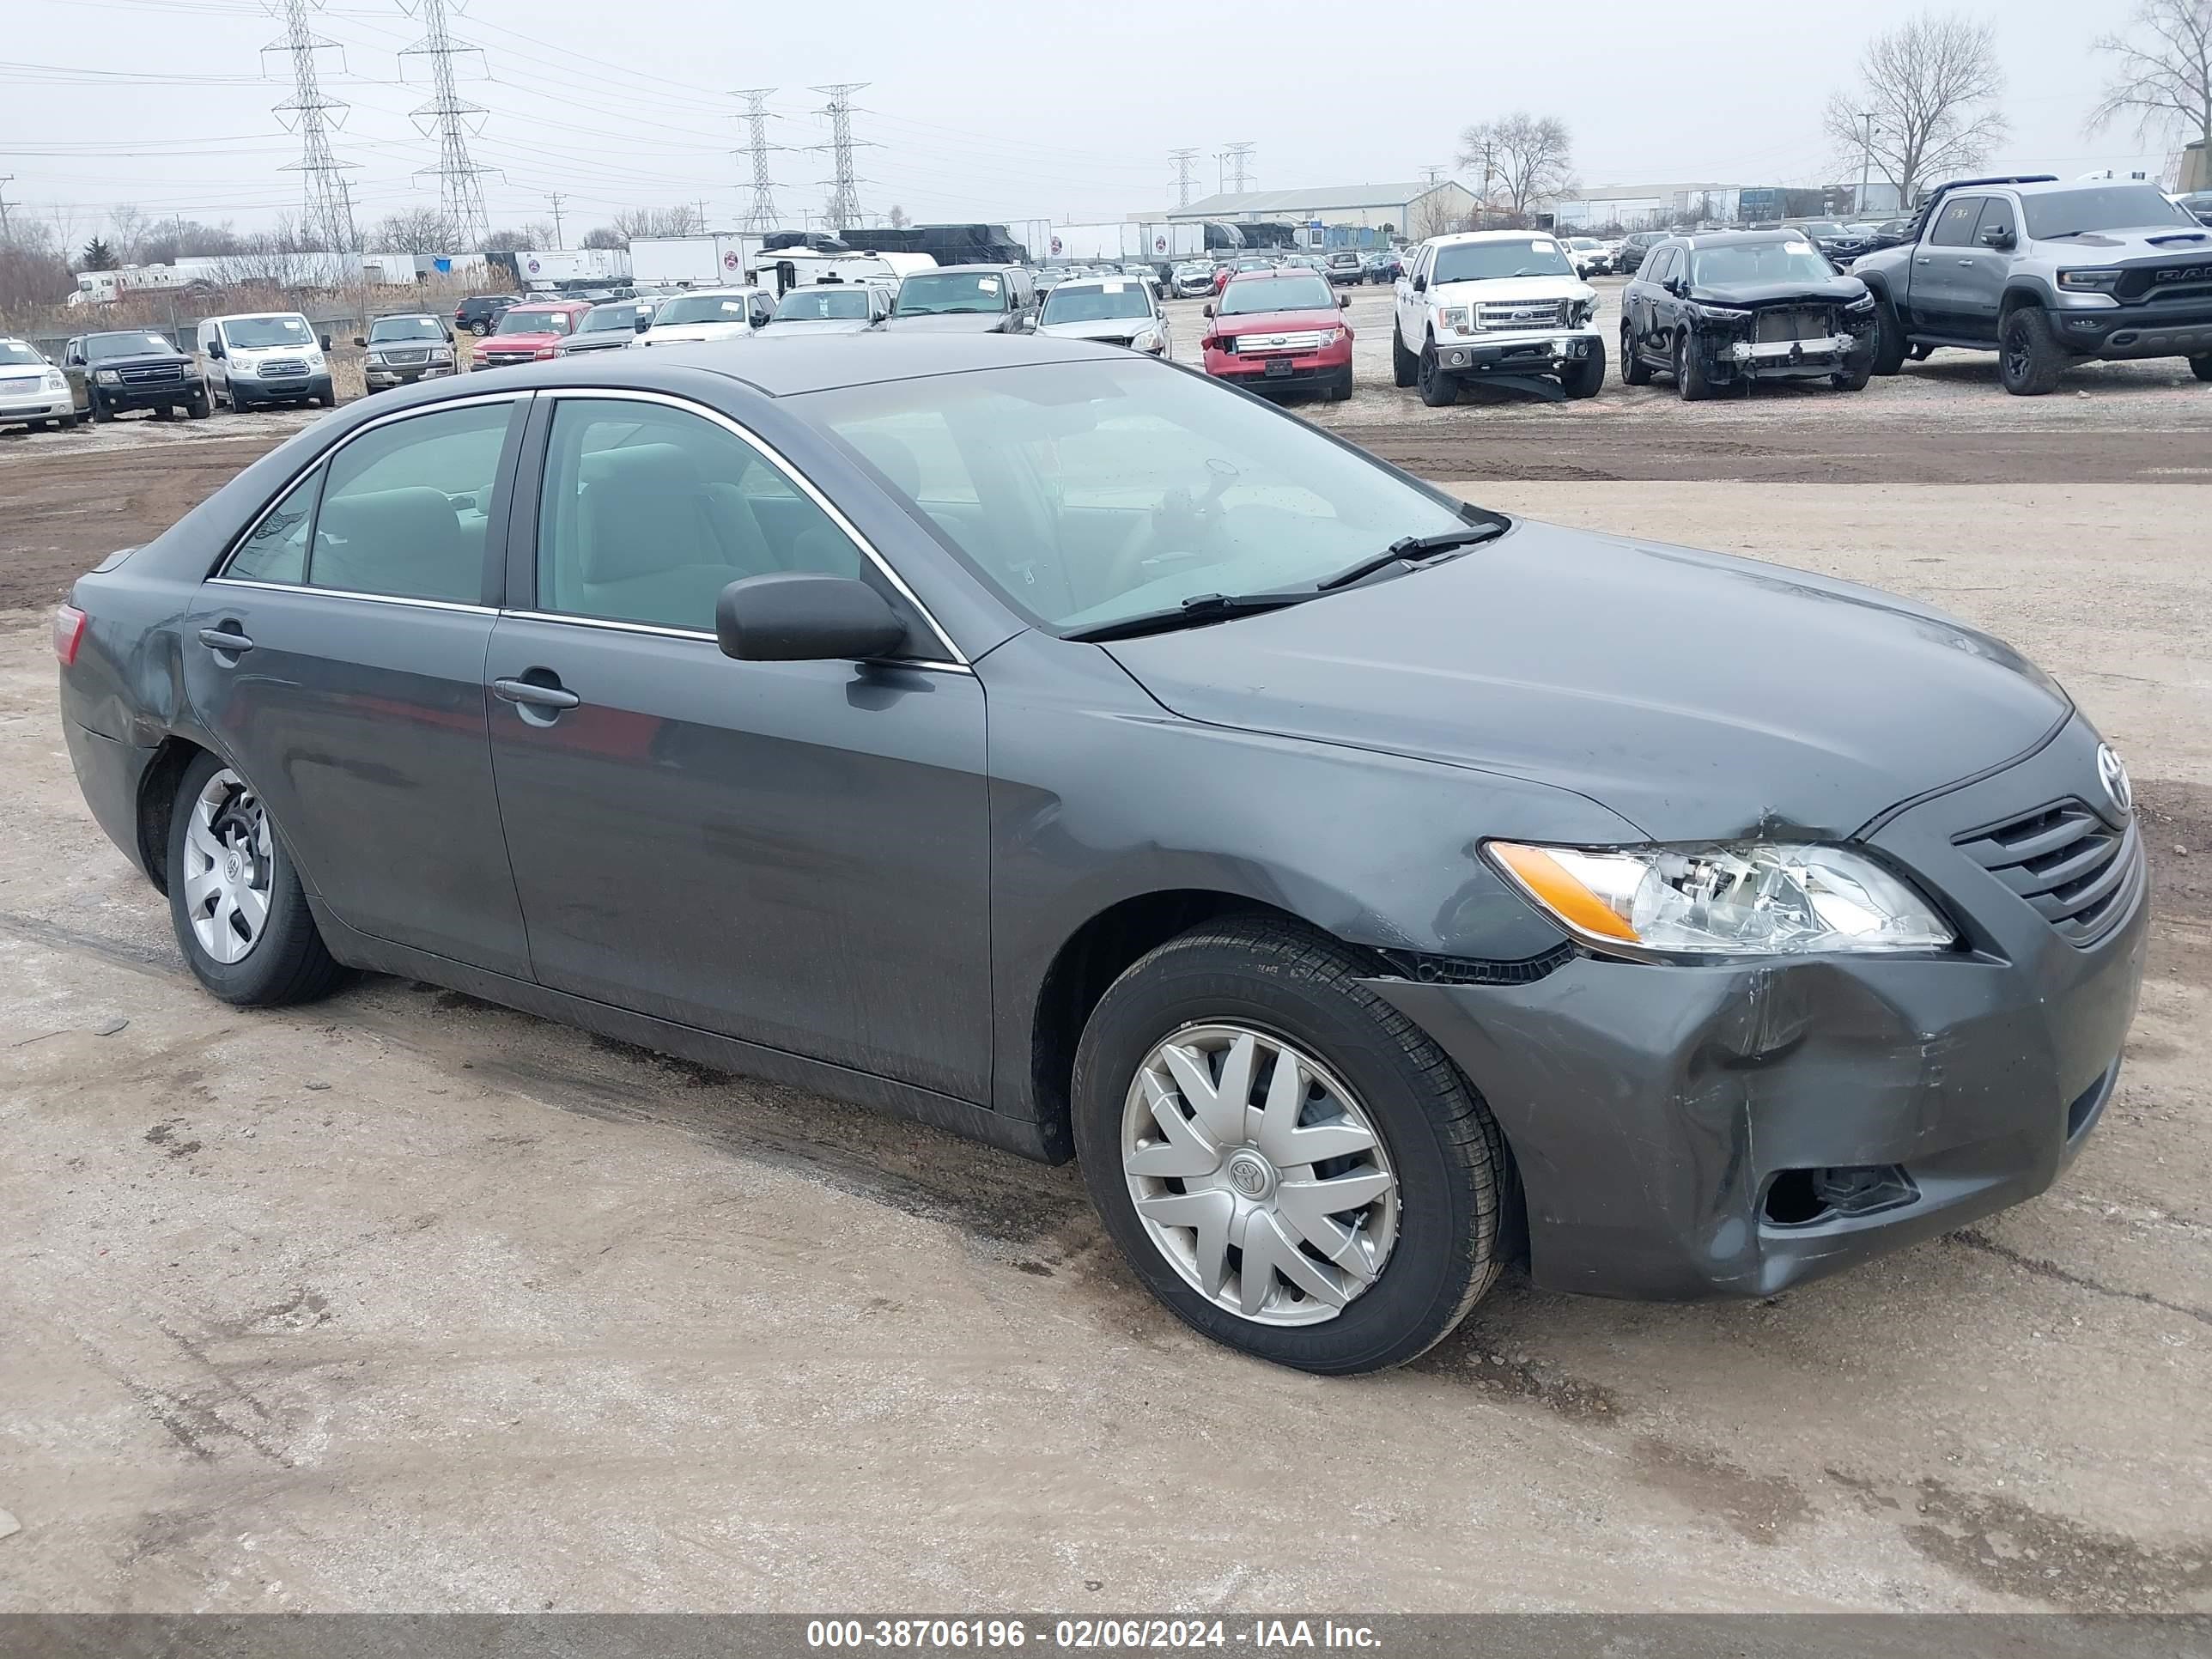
(234, 900)
(1439, 389)
(1405, 367)
(1690, 380)
(68, 423)
(2202, 367)
(200, 407)
(1889, 344)
(1853, 378)
(2029, 357)
(95, 411)
(1288, 1162)
(1340, 389)
(1587, 375)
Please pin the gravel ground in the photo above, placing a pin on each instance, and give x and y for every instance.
(407, 1302)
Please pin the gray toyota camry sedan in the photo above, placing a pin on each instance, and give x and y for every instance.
(1061, 748)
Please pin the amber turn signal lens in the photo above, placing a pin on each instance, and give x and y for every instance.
(1548, 883)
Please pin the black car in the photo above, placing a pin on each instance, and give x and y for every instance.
(966, 300)
(133, 368)
(1735, 306)
(1368, 887)
(480, 312)
(1381, 266)
(1635, 246)
(1839, 243)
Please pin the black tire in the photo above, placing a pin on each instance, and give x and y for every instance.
(1444, 1146)
(1587, 377)
(1439, 389)
(1889, 341)
(328, 399)
(287, 963)
(68, 423)
(1405, 367)
(1634, 371)
(1340, 388)
(97, 412)
(200, 407)
(480, 328)
(1689, 374)
(2202, 367)
(2030, 359)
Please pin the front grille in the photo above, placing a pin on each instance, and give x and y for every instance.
(406, 358)
(1522, 313)
(1294, 340)
(1778, 325)
(2073, 866)
(2169, 279)
(279, 367)
(153, 374)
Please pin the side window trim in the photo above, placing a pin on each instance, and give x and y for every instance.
(502, 493)
(522, 536)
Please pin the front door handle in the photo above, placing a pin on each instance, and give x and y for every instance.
(531, 694)
(1968, 263)
(226, 639)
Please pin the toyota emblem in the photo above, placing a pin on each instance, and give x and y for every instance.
(2113, 774)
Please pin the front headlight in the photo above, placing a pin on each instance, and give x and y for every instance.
(1718, 313)
(56, 381)
(1584, 310)
(1749, 899)
(2094, 282)
(242, 369)
(1454, 318)
(1146, 340)
(106, 376)
(1861, 306)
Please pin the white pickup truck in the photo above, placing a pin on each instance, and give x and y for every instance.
(1503, 307)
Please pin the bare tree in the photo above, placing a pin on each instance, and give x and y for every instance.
(605, 236)
(898, 217)
(2164, 80)
(643, 224)
(174, 239)
(1931, 85)
(535, 235)
(424, 230)
(1529, 157)
(33, 270)
(289, 257)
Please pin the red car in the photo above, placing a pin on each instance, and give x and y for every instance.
(531, 333)
(1280, 330)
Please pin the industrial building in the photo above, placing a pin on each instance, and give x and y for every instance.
(1418, 208)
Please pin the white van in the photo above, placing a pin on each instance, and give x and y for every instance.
(266, 357)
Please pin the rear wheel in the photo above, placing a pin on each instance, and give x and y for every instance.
(1405, 367)
(1689, 374)
(1634, 371)
(1889, 337)
(240, 917)
(1287, 1162)
(1439, 388)
(2202, 367)
(2030, 359)
(1586, 375)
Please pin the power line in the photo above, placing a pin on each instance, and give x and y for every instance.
(329, 216)
(844, 206)
(1183, 160)
(760, 217)
(460, 180)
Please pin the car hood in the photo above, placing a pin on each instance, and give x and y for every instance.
(2190, 244)
(1279, 322)
(954, 322)
(1506, 290)
(692, 334)
(1697, 696)
(1102, 328)
(1835, 291)
(504, 344)
(140, 360)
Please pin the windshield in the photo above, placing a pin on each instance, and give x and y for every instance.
(15, 353)
(704, 308)
(1482, 262)
(2113, 207)
(404, 328)
(1097, 302)
(1758, 262)
(835, 303)
(1090, 492)
(133, 344)
(602, 319)
(945, 292)
(255, 332)
(534, 322)
(1302, 291)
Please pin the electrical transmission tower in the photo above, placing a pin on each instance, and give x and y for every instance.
(1183, 160)
(843, 211)
(460, 180)
(328, 216)
(760, 217)
(1236, 157)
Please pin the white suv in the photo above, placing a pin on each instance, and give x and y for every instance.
(1501, 307)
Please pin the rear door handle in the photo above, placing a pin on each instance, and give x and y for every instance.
(226, 639)
(529, 692)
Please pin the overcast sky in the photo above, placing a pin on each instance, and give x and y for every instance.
(1049, 109)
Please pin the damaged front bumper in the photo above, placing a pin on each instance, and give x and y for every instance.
(1547, 351)
(1685, 1130)
(1784, 359)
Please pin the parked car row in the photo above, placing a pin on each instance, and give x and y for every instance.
(245, 362)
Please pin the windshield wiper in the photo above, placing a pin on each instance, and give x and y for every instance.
(1410, 550)
(1199, 609)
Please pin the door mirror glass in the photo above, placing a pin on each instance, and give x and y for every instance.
(798, 617)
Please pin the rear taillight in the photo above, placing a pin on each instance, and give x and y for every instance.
(68, 633)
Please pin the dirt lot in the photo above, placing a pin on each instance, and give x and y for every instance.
(407, 1302)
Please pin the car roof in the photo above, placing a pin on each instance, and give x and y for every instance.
(1697, 238)
(978, 265)
(1459, 238)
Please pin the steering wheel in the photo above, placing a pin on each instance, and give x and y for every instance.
(1180, 521)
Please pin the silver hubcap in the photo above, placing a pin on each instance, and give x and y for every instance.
(227, 866)
(1258, 1174)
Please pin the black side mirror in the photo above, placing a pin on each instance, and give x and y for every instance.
(1208, 307)
(359, 341)
(644, 321)
(326, 342)
(215, 347)
(1344, 302)
(800, 616)
(1998, 236)
(1420, 285)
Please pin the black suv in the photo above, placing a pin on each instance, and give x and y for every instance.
(480, 312)
(133, 368)
(1729, 308)
(1634, 247)
(2045, 274)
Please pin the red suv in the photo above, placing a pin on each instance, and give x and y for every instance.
(1280, 330)
(531, 333)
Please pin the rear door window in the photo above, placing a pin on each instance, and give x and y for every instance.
(407, 508)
